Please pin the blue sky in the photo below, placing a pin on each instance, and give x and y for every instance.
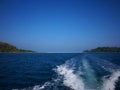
(60, 25)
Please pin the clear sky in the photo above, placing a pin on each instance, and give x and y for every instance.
(60, 25)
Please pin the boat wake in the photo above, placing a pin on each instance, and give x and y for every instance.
(83, 73)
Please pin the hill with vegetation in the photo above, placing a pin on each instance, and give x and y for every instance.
(5, 47)
(104, 49)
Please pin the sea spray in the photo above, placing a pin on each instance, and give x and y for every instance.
(70, 79)
(109, 83)
(80, 73)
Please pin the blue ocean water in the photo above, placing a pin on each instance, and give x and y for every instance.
(60, 71)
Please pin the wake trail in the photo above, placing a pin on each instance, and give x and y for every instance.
(109, 84)
(78, 73)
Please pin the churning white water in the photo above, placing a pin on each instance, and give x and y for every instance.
(89, 80)
(109, 84)
(78, 74)
(70, 79)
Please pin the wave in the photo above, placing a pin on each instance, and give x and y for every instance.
(80, 74)
(69, 78)
(109, 83)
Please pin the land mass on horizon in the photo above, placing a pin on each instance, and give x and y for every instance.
(5, 47)
(104, 49)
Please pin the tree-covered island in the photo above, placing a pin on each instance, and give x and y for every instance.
(104, 49)
(5, 47)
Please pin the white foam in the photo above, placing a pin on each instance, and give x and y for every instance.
(38, 87)
(72, 70)
(109, 84)
(70, 79)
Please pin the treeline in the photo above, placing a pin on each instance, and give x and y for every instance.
(5, 47)
(104, 49)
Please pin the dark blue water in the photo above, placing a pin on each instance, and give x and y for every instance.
(72, 71)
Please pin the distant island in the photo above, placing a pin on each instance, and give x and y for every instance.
(104, 49)
(5, 47)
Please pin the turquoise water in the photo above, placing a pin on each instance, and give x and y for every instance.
(70, 71)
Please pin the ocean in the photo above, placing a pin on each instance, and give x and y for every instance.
(60, 71)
